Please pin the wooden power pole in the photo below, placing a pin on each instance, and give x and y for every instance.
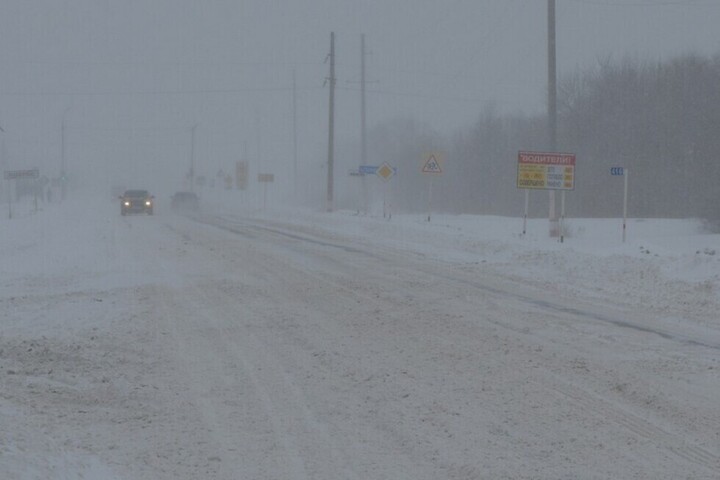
(331, 125)
(552, 108)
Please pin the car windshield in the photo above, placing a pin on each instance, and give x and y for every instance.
(136, 193)
(360, 239)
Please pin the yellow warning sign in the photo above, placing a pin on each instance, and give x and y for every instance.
(385, 171)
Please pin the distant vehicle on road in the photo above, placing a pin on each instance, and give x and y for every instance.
(185, 201)
(136, 201)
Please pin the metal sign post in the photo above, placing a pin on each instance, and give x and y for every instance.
(367, 170)
(432, 166)
(625, 194)
(32, 174)
(622, 172)
(429, 198)
(562, 215)
(386, 172)
(9, 190)
(361, 188)
(527, 206)
(265, 178)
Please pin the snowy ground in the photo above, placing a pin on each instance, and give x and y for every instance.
(250, 344)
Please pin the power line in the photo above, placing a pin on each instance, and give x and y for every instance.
(415, 95)
(649, 3)
(161, 92)
(159, 63)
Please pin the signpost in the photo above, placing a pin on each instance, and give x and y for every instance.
(265, 178)
(546, 171)
(624, 172)
(361, 189)
(241, 174)
(432, 166)
(385, 172)
(368, 169)
(33, 173)
(29, 174)
(432, 163)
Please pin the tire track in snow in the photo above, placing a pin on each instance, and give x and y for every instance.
(207, 356)
(637, 425)
(286, 405)
(240, 227)
(590, 402)
(216, 348)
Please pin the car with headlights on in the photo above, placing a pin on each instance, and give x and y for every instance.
(136, 201)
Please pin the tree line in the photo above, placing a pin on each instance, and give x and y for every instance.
(661, 120)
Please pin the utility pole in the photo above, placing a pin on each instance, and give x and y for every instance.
(3, 164)
(295, 165)
(363, 137)
(63, 175)
(363, 124)
(552, 108)
(331, 126)
(192, 158)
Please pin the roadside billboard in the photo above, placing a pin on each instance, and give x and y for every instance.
(546, 171)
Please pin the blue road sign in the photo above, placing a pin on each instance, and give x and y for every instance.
(368, 169)
(617, 171)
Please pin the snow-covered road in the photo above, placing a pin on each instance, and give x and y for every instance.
(237, 346)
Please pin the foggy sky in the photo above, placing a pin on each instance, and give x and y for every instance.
(130, 78)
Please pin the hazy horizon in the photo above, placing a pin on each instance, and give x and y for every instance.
(130, 79)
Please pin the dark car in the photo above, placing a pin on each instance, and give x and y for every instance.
(136, 201)
(185, 201)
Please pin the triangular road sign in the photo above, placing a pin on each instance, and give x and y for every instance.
(432, 165)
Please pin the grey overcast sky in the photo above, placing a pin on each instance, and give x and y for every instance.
(129, 78)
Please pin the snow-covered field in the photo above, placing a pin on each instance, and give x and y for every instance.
(297, 344)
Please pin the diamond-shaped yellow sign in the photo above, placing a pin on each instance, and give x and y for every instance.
(385, 171)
